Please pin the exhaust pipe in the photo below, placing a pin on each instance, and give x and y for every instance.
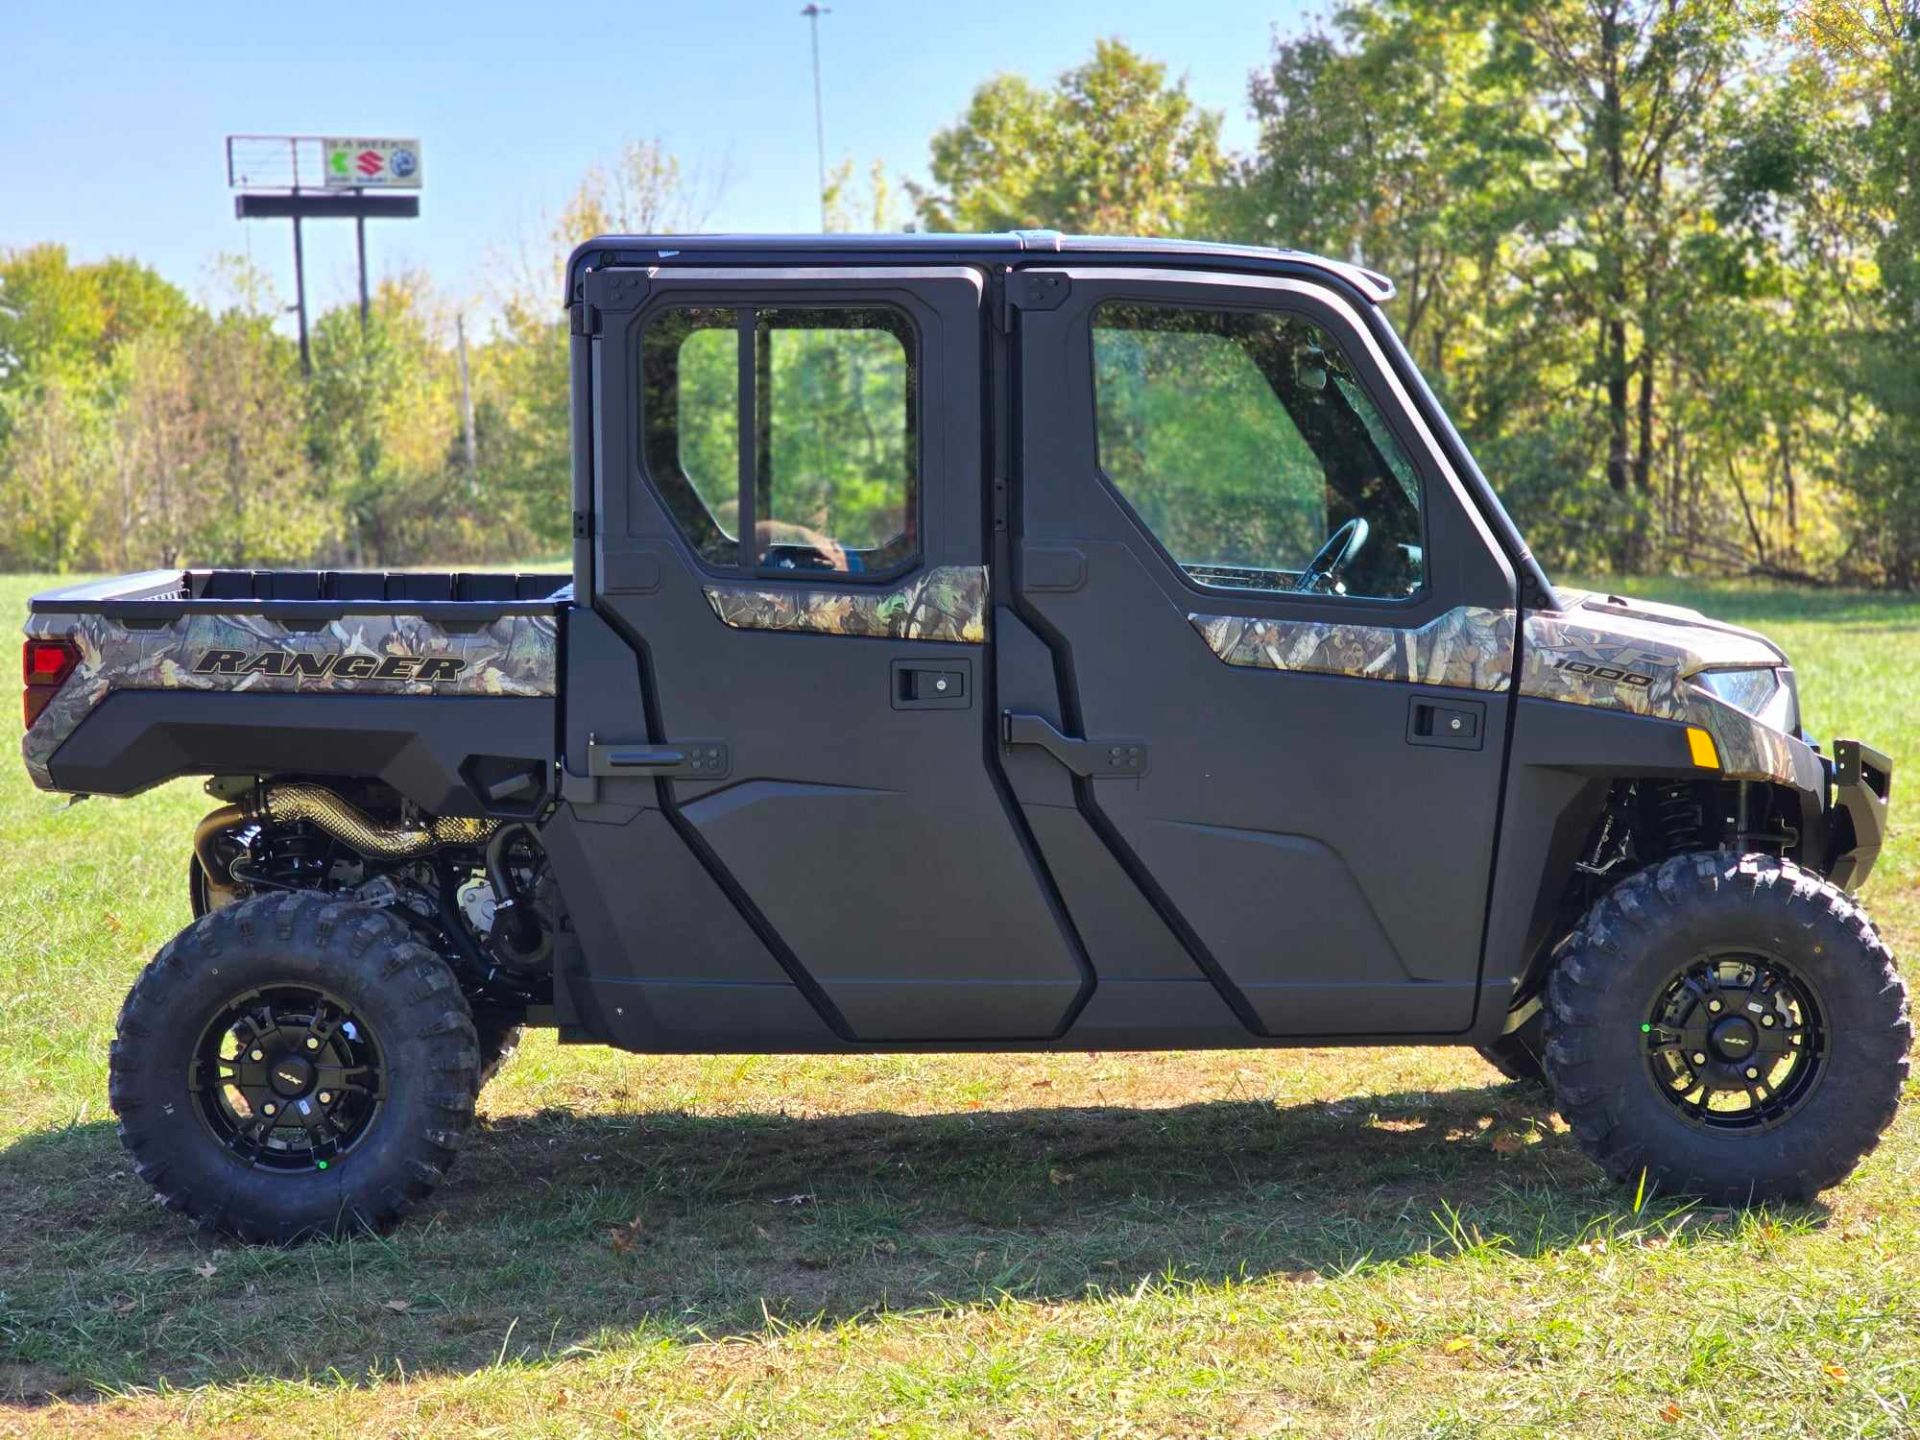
(220, 890)
(284, 804)
(293, 801)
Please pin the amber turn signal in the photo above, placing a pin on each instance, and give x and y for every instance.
(1705, 753)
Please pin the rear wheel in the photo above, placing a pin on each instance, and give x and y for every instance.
(291, 1066)
(1729, 1026)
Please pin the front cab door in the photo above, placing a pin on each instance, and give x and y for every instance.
(1267, 596)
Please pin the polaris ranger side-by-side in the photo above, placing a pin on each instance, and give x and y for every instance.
(975, 642)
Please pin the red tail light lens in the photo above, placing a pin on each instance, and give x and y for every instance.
(46, 665)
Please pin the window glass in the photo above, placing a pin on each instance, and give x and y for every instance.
(835, 482)
(831, 441)
(690, 379)
(1247, 446)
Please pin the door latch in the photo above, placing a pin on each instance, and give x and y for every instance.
(682, 760)
(1095, 759)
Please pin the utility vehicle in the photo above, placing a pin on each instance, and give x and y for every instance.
(1001, 642)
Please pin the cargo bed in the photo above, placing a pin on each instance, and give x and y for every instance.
(171, 672)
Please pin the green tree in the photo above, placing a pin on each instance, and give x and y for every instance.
(383, 426)
(1577, 202)
(48, 507)
(523, 421)
(1112, 148)
(1866, 61)
(57, 318)
(1390, 140)
(63, 328)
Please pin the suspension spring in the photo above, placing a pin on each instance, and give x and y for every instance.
(1678, 817)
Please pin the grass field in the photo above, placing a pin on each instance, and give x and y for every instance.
(1320, 1243)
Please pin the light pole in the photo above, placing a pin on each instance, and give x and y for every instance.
(813, 12)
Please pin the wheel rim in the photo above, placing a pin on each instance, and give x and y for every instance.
(1735, 1042)
(288, 1078)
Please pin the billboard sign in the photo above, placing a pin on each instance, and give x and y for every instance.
(371, 164)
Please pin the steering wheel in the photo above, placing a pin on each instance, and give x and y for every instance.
(800, 557)
(1322, 575)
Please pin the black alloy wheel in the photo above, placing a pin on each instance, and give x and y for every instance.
(288, 1078)
(1736, 1042)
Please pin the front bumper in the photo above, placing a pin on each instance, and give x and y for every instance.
(1862, 782)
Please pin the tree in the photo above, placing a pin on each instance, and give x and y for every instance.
(1112, 148)
(1628, 86)
(848, 210)
(1573, 198)
(522, 415)
(57, 317)
(1390, 141)
(383, 426)
(47, 503)
(63, 328)
(1868, 63)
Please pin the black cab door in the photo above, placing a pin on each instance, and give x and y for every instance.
(1278, 644)
(791, 534)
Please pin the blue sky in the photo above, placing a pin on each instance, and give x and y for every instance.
(112, 115)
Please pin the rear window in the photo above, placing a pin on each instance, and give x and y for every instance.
(822, 460)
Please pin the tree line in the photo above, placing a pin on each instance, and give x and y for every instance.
(1661, 259)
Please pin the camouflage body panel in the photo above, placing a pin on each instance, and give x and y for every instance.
(1632, 657)
(947, 603)
(1468, 648)
(509, 655)
(1629, 658)
(1748, 749)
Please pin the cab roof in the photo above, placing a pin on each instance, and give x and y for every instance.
(1006, 247)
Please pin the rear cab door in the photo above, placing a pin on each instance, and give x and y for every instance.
(790, 532)
(1301, 779)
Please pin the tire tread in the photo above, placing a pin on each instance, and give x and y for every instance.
(370, 946)
(1598, 956)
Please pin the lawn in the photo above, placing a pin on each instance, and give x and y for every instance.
(1319, 1242)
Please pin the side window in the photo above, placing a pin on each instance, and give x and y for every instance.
(825, 465)
(1246, 445)
(690, 376)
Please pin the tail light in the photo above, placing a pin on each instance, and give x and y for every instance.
(46, 665)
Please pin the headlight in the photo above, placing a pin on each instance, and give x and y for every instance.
(1769, 696)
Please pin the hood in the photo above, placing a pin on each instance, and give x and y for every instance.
(1698, 642)
(1621, 654)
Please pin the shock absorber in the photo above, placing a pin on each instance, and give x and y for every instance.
(1677, 817)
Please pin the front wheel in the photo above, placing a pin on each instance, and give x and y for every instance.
(1728, 1026)
(290, 1066)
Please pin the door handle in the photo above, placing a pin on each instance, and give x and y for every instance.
(932, 685)
(1095, 759)
(1447, 724)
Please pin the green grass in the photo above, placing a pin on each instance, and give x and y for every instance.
(1318, 1242)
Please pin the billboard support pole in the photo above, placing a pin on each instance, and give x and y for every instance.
(360, 244)
(300, 298)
